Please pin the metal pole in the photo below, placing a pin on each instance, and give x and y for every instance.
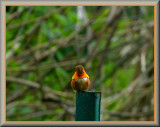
(88, 106)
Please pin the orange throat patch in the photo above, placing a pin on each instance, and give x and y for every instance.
(84, 75)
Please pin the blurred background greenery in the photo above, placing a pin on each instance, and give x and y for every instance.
(114, 44)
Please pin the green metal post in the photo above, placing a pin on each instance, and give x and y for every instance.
(88, 106)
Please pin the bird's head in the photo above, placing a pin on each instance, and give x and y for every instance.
(79, 69)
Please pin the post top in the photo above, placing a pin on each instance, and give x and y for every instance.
(90, 92)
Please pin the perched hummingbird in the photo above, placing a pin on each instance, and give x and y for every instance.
(80, 79)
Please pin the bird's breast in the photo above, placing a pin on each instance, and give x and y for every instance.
(81, 80)
(81, 83)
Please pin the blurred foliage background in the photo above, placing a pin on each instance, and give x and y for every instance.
(114, 44)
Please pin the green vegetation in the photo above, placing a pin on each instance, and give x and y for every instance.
(114, 44)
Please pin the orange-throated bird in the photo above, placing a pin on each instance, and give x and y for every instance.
(80, 79)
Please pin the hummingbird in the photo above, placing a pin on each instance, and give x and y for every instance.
(80, 79)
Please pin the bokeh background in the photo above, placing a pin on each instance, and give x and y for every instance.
(45, 43)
